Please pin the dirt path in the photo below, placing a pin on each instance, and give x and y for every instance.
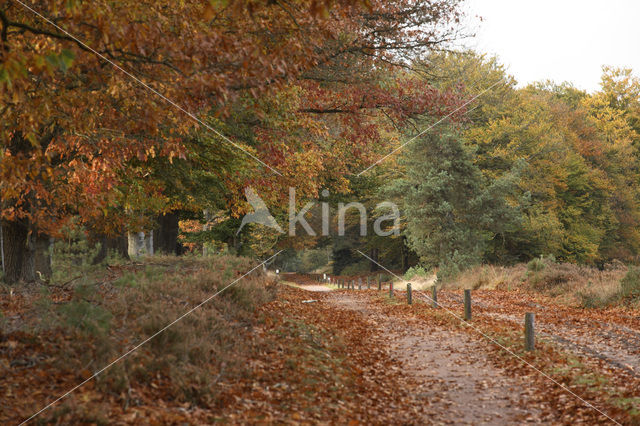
(589, 359)
(610, 340)
(457, 381)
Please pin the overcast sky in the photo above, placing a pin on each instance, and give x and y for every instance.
(561, 40)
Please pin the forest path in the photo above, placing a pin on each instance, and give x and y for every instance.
(584, 368)
(454, 378)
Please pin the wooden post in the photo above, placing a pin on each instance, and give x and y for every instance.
(529, 334)
(360, 283)
(434, 296)
(409, 293)
(467, 305)
(391, 288)
(368, 283)
(379, 282)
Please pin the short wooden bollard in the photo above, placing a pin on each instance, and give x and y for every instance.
(368, 283)
(529, 334)
(434, 297)
(360, 283)
(390, 288)
(379, 282)
(467, 305)
(409, 300)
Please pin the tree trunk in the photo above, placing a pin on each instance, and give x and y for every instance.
(165, 238)
(18, 252)
(374, 262)
(136, 243)
(405, 254)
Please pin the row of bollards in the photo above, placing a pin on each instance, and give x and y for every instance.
(529, 331)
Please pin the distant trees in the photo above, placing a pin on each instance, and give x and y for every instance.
(569, 160)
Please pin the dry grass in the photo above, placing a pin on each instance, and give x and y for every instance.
(571, 284)
(490, 277)
(101, 319)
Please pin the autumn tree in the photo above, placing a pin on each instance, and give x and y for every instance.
(103, 85)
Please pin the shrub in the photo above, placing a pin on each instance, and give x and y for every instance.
(448, 271)
(72, 257)
(536, 265)
(630, 284)
(86, 317)
(416, 271)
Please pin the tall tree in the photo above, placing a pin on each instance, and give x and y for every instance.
(452, 212)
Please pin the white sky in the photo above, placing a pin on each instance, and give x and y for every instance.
(561, 40)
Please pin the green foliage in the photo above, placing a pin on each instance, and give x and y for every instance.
(577, 189)
(630, 284)
(86, 317)
(313, 259)
(535, 265)
(356, 268)
(73, 256)
(417, 272)
(451, 211)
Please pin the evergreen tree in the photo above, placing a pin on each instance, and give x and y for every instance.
(451, 212)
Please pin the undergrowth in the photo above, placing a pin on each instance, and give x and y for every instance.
(567, 283)
(100, 319)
